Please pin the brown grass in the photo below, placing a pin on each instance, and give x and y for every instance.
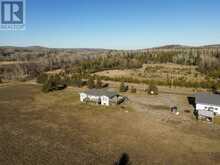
(55, 128)
(159, 72)
(217, 120)
(12, 62)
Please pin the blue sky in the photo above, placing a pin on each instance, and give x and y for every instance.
(117, 24)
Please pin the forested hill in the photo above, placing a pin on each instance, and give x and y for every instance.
(183, 48)
(30, 61)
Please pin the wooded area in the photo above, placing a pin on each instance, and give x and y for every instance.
(30, 62)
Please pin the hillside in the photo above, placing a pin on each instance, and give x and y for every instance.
(216, 46)
(29, 62)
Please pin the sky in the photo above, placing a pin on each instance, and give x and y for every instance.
(117, 24)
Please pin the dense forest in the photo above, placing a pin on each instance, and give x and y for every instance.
(28, 63)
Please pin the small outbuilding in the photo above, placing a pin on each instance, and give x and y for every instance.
(100, 96)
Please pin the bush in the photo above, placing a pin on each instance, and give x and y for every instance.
(105, 85)
(42, 78)
(75, 80)
(48, 86)
(91, 83)
(152, 90)
(123, 87)
(99, 83)
(215, 87)
(133, 90)
(181, 82)
(79, 83)
(53, 83)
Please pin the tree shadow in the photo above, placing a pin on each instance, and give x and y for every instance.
(192, 101)
(123, 160)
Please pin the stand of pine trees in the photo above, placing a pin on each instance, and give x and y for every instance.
(53, 83)
(123, 87)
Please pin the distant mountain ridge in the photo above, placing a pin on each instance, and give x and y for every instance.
(212, 46)
(171, 46)
(185, 46)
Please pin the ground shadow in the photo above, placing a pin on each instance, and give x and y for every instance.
(123, 160)
(192, 101)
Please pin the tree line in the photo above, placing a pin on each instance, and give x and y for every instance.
(32, 62)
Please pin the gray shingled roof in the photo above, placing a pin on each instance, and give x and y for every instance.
(101, 92)
(206, 98)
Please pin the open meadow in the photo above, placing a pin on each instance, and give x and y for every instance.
(55, 128)
(167, 74)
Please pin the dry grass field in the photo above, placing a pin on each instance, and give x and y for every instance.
(2, 63)
(56, 71)
(9, 62)
(55, 128)
(159, 72)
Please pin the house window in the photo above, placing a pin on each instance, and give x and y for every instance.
(105, 99)
(210, 109)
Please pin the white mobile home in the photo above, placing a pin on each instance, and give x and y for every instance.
(207, 104)
(100, 96)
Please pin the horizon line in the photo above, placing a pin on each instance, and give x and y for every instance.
(152, 47)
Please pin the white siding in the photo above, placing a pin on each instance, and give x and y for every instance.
(216, 109)
(82, 96)
(105, 100)
(93, 98)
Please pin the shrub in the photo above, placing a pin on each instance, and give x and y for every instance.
(42, 78)
(99, 83)
(123, 87)
(75, 80)
(48, 86)
(214, 89)
(181, 82)
(79, 83)
(133, 90)
(53, 83)
(91, 83)
(152, 90)
(59, 82)
(105, 85)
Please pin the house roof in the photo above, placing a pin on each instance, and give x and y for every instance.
(206, 98)
(101, 92)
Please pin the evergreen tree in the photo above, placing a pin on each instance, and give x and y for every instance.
(91, 83)
(214, 88)
(48, 86)
(123, 87)
(53, 83)
(42, 78)
(99, 83)
(152, 89)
